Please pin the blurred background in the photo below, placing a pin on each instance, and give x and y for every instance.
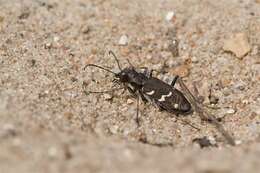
(49, 123)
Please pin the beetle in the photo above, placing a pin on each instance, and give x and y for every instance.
(151, 89)
(161, 94)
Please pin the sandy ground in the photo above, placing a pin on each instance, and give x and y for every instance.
(49, 124)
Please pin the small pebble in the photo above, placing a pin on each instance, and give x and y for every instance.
(129, 101)
(238, 142)
(169, 16)
(107, 96)
(194, 59)
(246, 102)
(230, 111)
(149, 57)
(47, 45)
(123, 41)
(238, 44)
(85, 29)
(212, 140)
(56, 39)
(240, 86)
(114, 129)
(226, 91)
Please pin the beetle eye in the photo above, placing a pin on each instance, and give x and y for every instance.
(117, 75)
(123, 77)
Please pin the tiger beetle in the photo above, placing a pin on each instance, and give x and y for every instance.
(161, 94)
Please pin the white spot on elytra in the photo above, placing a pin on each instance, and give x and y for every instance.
(150, 93)
(176, 105)
(162, 99)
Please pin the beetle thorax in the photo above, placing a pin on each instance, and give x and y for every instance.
(130, 75)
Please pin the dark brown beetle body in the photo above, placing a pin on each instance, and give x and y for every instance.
(161, 94)
(152, 89)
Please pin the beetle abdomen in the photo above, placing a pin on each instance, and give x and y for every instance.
(166, 97)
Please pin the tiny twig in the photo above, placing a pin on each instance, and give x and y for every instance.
(100, 92)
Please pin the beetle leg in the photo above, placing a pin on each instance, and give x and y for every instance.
(143, 97)
(137, 95)
(174, 80)
(151, 73)
(132, 91)
(137, 113)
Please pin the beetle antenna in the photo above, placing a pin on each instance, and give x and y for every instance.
(103, 68)
(112, 53)
(101, 92)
